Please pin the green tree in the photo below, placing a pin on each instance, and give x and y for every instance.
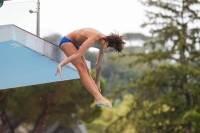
(68, 102)
(114, 121)
(136, 36)
(166, 98)
(117, 71)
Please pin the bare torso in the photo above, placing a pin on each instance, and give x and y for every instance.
(81, 35)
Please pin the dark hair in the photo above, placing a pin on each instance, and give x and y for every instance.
(116, 41)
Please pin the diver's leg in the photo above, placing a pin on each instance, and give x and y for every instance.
(88, 71)
(69, 49)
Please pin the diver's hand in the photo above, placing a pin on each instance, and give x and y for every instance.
(59, 70)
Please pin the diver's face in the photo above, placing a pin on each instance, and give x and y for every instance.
(110, 50)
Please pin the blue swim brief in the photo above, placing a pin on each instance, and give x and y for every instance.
(65, 40)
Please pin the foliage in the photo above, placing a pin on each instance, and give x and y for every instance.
(118, 71)
(136, 36)
(166, 97)
(67, 102)
(163, 104)
(111, 121)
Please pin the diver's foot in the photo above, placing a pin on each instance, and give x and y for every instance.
(103, 103)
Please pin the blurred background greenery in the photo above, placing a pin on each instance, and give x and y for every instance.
(154, 88)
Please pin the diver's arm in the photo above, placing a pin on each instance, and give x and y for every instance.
(99, 67)
(85, 46)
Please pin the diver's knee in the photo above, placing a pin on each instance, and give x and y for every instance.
(81, 67)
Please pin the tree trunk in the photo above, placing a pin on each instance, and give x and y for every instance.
(2, 130)
(40, 123)
(6, 122)
(44, 118)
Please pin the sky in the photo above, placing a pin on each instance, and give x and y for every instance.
(67, 15)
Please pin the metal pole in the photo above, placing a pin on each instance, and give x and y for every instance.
(38, 18)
